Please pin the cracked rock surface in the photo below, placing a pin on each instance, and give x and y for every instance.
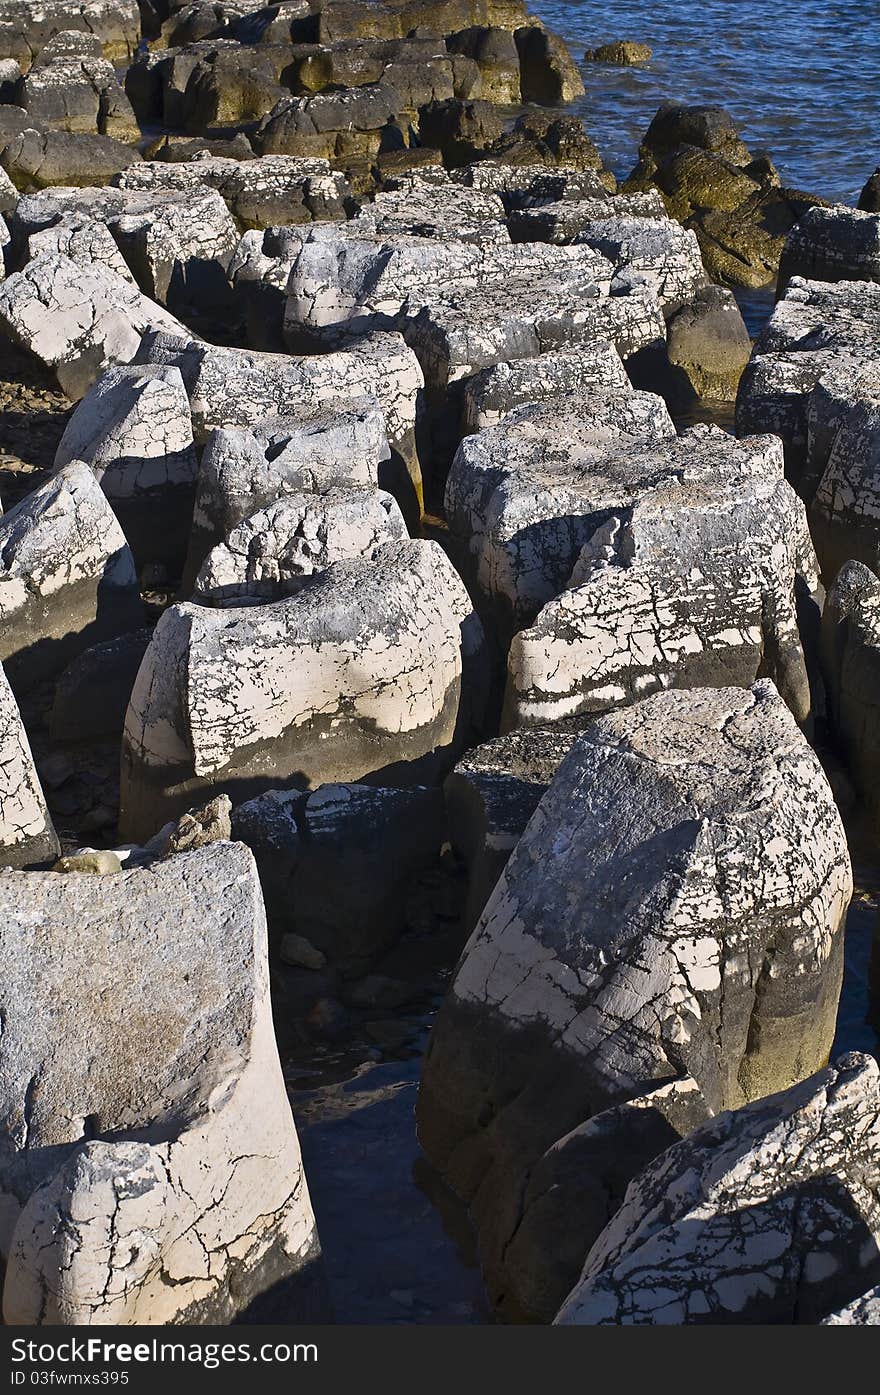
(150, 1172)
(624, 949)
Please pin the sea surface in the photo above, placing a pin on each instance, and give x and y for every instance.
(801, 76)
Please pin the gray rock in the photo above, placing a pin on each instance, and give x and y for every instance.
(79, 93)
(244, 471)
(68, 577)
(845, 511)
(259, 193)
(116, 23)
(665, 931)
(300, 953)
(269, 554)
(82, 240)
(95, 862)
(195, 829)
(417, 206)
(708, 343)
(832, 244)
(44, 158)
(699, 581)
(134, 431)
(383, 656)
(490, 797)
(127, 1194)
(27, 835)
(240, 388)
(561, 220)
(330, 125)
(572, 371)
(523, 497)
(767, 1214)
(863, 1311)
(653, 252)
(78, 321)
(366, 842)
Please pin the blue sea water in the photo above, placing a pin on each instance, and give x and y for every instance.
(801, 76)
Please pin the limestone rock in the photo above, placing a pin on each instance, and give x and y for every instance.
(664, 928)
(652, 252)
(81, 240)
(331, 125)
(699, 581)
(548, 73)
(845, 507)
(869, 198)
(493, 392)
(44, 158)
(128, 1197)
(134, 431)
(622, 52)
(366, 842)
(523, 498)
(92, 694)
(767, 1214)
(832, 244)
(245, 471)
(277, 189)
(68, 576)
(26, 832)
(79, 93)
(383, 657)
(268, 555)
(78, 321)
(196, 829)
(239, 388)
(116, 23)
(561, 220)
(490, 797)
(708, 343)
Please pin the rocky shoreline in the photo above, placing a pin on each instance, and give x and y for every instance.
(438, 686)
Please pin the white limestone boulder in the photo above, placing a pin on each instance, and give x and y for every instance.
(27, 835)
(240, 388)
(493, 392)
(768, 1214)
(654, 252)
(700, 582)
(134, 431)
(832, 244)
(845, 510)
(523, 497)
(150, 1171)
(76, 320)
(268, 554)
(665, 927)
(83, 241)
(245, 470)
(415, 206)
(261, 193)
(67, 579)
(561, 220)
(374, 668)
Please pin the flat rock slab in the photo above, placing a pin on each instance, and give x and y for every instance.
(180, 1222)
(27, 836)
(493, 392)
(832, 244)
(259, 193)
(705, 580)
(663, 928)
(68, 576)
(372, 669)
(766, 1214)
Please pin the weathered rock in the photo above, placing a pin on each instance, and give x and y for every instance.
(744, 247)
(44, 159)
(832, 244)
(177, 243)
(235, 388)
(851, 666)
(332, 125)
(68, 577)
(494, 51)
(243, 472)
(418, 207)
(623, 53)
(27, 26)
(845, 511)
(461, 130)
(490, 797)
(700, 581)
(79, 94)
(134, 431)
(69, 43)
(493, 392)
(368, 843)
(229, 86)
(95, 862)
(383, 656)
(268, 555)
(522, 498)
(561, 220)
(179, 1223)
(548, 73)
(78, 321)
(196, 829)
(521, 186)
(546, 138)
(652, 252)
(300, 953)
(663, 933)
(708, 343)
(767, 1214)
(259, 193)
(93, 692)
(706, 127)
(27, 835)
(82, 240)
